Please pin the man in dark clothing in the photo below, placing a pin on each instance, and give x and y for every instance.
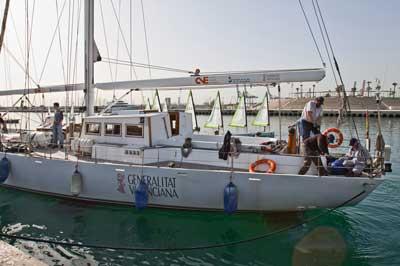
(58, 137)
(314, 147)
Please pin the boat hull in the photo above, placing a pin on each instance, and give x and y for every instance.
(184, 188)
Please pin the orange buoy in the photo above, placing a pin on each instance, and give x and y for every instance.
(271, 165)
(338, 136)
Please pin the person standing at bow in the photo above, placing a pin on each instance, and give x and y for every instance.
(58, 137)
(311, 117)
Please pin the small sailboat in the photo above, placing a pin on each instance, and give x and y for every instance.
(191, 109)
(215, 120)
(240, 116)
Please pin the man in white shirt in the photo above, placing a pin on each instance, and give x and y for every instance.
(310, 120)
(356, 158)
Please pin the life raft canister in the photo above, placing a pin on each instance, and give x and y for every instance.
(337, 134)
(4, 169)
(271, 165)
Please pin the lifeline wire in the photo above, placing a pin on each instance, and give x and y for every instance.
(201, 247)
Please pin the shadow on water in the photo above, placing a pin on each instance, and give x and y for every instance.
(44, 217)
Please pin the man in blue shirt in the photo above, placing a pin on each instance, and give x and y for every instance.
(58, 137)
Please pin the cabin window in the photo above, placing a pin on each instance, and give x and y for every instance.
(134, 131)
(93, 128)
(112, 129)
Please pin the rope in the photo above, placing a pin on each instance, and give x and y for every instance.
(123, 37)
(312, 34)
(4, 23)
(346, 101)
(177, 249)
(131, 63)
(51, 43)
(145, 37)
(325, 45)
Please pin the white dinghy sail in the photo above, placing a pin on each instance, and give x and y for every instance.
(240, 117)
(191, 109)
(215, 120)
(262, 118)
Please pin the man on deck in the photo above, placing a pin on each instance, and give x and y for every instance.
(356, 158)
(58, 137)
(315, 146)
(311, 116)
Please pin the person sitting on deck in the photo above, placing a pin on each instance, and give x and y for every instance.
(58, 137)
(311, 116)
(315, 146)
(356, 158)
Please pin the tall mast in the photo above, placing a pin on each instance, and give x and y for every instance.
(89, 62)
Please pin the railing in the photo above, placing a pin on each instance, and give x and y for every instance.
(370, 169)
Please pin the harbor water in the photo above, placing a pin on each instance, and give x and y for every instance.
(366, 234)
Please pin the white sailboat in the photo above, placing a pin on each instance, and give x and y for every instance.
(239, 118)
(262, 117)
(191, 109)
(154, 159)
(215, 120)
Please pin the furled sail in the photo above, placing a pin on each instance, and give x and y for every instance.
(262, 118)
(240, 117)
(191, 109)
(215, 120)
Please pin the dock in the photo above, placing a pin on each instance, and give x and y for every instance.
(389, 107)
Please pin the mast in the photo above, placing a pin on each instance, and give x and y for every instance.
(89, 62)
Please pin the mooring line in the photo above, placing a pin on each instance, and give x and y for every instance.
(175, 249)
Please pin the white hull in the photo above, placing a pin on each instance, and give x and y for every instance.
(185, 188)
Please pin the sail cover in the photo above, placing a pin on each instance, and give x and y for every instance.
(240, 117)
(190, 108)
(262, 118)
(215, 119)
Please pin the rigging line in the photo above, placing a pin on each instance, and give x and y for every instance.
(146, 65)
(130, 35)
(312, 34)
(16, 34)
(325, 45)
(51, 43)
(145, 37)
(123, 37)
(60, 46)
(141, 66)
(347, 103)
(4, 23)
(106, 41)
(19, 64)
(116, 66)
(74, 75)
(177, 249)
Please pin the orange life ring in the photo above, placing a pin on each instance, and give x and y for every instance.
(338, 137)
(271, 165)
(264, 146)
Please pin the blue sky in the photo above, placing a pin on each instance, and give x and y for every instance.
(218, 36)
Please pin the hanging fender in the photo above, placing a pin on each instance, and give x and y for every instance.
(338, 135)
(271, 165)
